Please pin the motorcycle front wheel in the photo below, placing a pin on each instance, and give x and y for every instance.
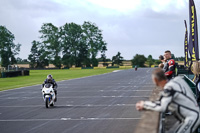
(47, 102)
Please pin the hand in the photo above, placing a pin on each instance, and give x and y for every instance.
(140, 105)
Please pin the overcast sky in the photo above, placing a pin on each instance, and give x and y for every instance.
(129, 26)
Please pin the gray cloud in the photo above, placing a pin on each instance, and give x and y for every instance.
(144, 30)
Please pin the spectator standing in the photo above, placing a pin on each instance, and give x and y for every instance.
(169, 66)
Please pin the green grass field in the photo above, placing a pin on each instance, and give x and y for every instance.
(38, 76)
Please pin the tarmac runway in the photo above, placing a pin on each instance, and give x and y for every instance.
(97, 104)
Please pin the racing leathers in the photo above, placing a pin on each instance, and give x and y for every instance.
(178, 98)
(53, 82)
(169, 68)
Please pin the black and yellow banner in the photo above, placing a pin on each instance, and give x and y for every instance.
(193, 36)
(186, 63)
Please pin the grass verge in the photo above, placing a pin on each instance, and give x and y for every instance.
(38, 76)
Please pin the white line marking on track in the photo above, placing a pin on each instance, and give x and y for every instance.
(36, 127)
(35, 92)
(78, 97)
(57, 82)
(116, 70)
(67, 119)
(71, 105)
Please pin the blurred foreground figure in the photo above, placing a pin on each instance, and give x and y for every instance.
(176, 97)
(196, 71)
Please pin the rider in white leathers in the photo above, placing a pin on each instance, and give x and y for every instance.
(176, 97)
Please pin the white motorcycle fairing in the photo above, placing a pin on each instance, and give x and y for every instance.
(48, 95)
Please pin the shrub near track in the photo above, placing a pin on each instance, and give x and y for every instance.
(38, 76)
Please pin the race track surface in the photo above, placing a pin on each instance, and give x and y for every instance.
(97, 104)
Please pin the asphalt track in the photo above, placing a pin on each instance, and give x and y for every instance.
(97, 104)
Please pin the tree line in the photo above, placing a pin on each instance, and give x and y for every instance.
(70, 44)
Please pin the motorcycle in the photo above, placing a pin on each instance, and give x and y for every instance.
(48, 95)
(136, 67)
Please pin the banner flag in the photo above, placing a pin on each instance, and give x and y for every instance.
(186, 63)
(193, 36)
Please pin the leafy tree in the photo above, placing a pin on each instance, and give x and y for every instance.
(94, 40)
(138, 60)
(157, 62)
(103, 55)
(8, 49)
(22, 61)
(75, 50)
(173, 56)
(50, 37)
(73, 44)
(150, 60)
(117, 59)
(19, 60)
(179, 58)
(39, 57)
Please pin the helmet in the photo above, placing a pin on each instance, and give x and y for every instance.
(49, 76)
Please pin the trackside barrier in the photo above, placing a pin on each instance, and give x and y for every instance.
(112, 67)
(87, 68)
(99, 67)
(150, 120)
(152, 66)
(190, 83)
(75, 68)
(125, 66)
(14, 73)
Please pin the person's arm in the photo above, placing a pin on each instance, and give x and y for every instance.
(162, 104)
(43, 84)
(55, 84)
(171, 69)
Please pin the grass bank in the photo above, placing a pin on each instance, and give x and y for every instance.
(38, 76)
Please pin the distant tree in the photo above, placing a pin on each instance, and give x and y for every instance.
(157, 62)
(75, 50)
(117, 59)
(8, 49)
(19, 60)
(179, 58)
(103, 56)
(22, 61)
(173, 56)
(138, 60)
(94, 41)
(39, 57)
(73, 44)
(51, 38)
(150, 60)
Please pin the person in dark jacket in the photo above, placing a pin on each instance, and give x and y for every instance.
(53, 82)
(169, 66)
